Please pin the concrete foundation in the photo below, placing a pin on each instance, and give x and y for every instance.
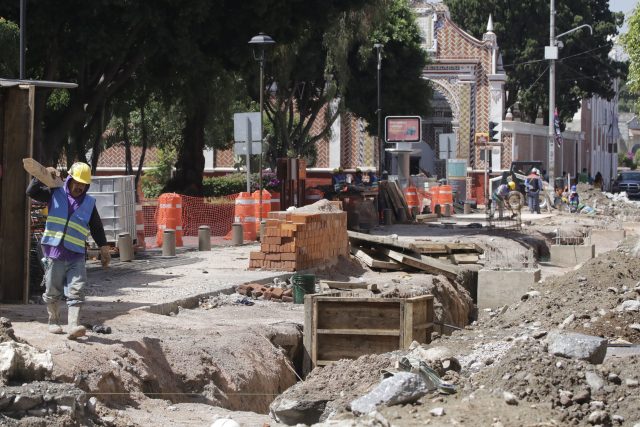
(571, 255)
(501, 287)
(606, 240)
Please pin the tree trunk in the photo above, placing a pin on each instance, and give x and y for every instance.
(190, 163)
(143, 152)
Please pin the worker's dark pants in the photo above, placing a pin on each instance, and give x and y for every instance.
(533, 201)
(60, 274)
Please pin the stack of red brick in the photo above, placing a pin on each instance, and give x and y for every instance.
(256, 290)
(297, 241)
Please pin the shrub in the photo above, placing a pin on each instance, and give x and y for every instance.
(218, 186)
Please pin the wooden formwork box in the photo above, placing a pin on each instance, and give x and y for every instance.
(347, 327)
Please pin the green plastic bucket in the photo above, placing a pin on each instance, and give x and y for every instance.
(302, 284)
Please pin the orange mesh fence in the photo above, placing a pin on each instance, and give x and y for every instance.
(196, 211)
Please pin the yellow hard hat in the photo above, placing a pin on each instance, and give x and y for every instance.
(81, 172)
(512, 185)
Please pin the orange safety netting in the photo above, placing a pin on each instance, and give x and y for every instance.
(217, 213)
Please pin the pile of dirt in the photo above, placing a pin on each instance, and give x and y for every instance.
(587, 300)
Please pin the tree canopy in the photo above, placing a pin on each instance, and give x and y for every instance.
(631, 42)
(584, 68)
(135, 61)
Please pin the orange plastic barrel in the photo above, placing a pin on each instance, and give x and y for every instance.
(446, 195)
(245, 210)
(435, 197)
(411, 196)
(169, 216)
(312, 195)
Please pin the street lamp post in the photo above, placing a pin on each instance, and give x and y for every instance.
(259, 43)
(378, 47)
(551, 53)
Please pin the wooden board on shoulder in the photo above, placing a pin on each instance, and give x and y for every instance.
(41, 173)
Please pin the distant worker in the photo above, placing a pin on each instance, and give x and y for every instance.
(584, 177)
(499, 198)
(373, 179)
(357, 177)
(533, 186)
(597, 181)
(574, 199)
(72, 216)
(339, 180)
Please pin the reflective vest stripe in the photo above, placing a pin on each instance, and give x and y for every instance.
(54, 234)
(74, 241)
(78, 227)
(56, 220)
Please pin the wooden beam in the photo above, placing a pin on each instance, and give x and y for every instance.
(427, 264)
(374, 263)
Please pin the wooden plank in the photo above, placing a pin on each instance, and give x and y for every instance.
(41, 173)
(16, 142)
(453, 248)
(335, 347)
(464, 258)
(348, 314)
(350, 285)
(425, 263)
(379, 240)
(374, 263)
(429, 248)
(307, 339)
(382, 332)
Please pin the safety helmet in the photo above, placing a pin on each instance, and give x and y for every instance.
(81, 172)
(573, 188)
(512, 185)
(536, 171)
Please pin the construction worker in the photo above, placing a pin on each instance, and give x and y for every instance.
(72, 216)
(533, 186)
(499, 197)
(574, 199)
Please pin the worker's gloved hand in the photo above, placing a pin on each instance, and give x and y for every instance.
(105, 256)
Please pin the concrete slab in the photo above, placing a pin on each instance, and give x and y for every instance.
(500, 287)
(606, 240)
(570, 255)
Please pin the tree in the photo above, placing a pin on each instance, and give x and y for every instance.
(331, 69)
(631, 43)
(403, 90)
(583, 69)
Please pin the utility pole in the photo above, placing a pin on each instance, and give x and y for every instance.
(551, 53)
(378, 47)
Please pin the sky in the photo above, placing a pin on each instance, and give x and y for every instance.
(626, 6)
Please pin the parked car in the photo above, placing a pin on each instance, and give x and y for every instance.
(628, 181)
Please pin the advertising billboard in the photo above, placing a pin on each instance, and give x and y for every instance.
(403, 129)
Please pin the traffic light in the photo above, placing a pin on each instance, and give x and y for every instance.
(494, 131)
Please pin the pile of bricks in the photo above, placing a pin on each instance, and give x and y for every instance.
(256, 290)
(297, 241)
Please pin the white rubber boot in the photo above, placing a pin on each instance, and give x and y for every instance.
(76, 330)
(54, 318)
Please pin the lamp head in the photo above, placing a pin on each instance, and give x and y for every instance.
(378, 46)
(259, 43)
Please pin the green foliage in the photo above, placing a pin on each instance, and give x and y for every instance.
(224, 185)
(584, 68)
(154, 180)
(631, 43)
(403, 90)
(9, 54)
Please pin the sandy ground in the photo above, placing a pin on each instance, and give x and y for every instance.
(181, 349)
